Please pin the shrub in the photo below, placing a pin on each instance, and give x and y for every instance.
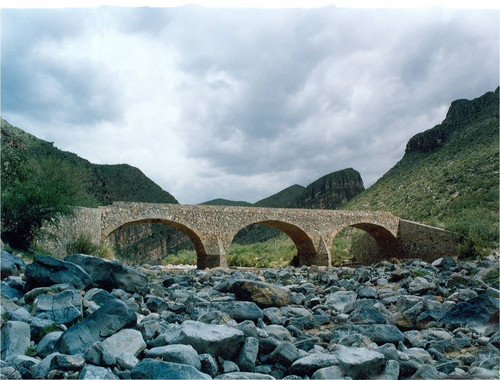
(185, 257)
(35, 193)
(83, 244)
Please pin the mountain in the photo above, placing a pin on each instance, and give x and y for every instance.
(107, 183)
(448, 176)
(225, 202)
(286, 198)
(331, 190)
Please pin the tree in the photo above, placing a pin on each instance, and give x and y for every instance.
(35, 193)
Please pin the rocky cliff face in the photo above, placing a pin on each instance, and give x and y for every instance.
(332, 190)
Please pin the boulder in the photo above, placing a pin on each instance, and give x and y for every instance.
(11, 265)
(92, 372)
(47, 270)
(248, 354)
(215, 340)
(125, 341)
(64, 307)
(46, 345)
(245, 376)
(176, 353)
(240, 310)
(264, 295)
(110, 275)
(329, 373)
(340, 299)
(359, 363)
(478, 311)
(15, 339)
(156, 369)
(106, 321)
(311, 363)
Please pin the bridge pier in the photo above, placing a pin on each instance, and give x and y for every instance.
(215, 254)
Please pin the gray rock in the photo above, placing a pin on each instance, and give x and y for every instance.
(110, 275)
(311, 363)
(92, 372)
(155, 369)
(10, 293)
(359, 363)
(340, 299)
(229, 366)
(125, 341)
(67, 362)
(390, 372)
(329, 373)
(41, 370)
(109, 319)
(426, 371)
(240, 310)
(46, 345)
(478, 311)
(16, 338)
(208, 364)
(215, 340)
(64, 307)
(11, 265)
(248, 354)
(379, 334)
(263, 294)
(366, 315)
(126, 361)
(176, 353)
(47, 270)
(99, 296)
(285, 353)
(245, 376)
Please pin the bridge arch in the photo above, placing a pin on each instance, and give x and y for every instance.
(306, 249)
(193, 235)
(378, 241)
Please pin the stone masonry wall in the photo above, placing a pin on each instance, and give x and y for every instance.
(425, 242)
(85, 221)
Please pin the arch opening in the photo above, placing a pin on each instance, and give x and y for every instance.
(364, 243)
(156, 241)
(269, 243)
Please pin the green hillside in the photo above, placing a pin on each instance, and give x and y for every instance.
(449, 176)
(226, 202)
(105, 183)
(284, 199)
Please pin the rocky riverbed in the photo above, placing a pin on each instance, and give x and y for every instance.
(88, 318)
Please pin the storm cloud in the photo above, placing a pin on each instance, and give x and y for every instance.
(241, 103)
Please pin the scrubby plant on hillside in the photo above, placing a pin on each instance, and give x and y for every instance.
(35, 193)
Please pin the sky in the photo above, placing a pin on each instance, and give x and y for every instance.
(240, 103)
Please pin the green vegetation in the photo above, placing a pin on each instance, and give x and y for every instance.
(48, 329)
(269, 254)
(448, 177)
(226, 202)
(31, 351)
(35, 193)
(83, 244)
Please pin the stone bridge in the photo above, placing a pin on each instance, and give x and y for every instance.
(212, 229)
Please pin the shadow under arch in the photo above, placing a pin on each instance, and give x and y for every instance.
(382, 244)
(193, 236)
(303, 242)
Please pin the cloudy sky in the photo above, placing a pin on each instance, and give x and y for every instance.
(240, 103)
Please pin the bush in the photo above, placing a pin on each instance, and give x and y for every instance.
(83, 244)
(183, 257)
(35, 193)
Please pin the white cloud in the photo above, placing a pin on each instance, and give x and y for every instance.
(241, 103)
